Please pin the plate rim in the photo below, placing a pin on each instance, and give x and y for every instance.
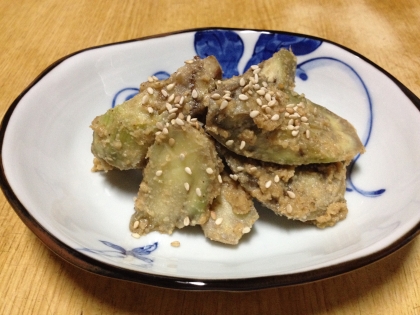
(92, 265)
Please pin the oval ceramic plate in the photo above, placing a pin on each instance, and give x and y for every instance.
(83, 216)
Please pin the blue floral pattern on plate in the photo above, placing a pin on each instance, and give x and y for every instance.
(228, 47)
(116, 251)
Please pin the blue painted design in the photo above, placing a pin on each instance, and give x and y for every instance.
(303, 75)
(162, 75)
(268, 44)
(125, 94)
(120, 252)
(226, 46)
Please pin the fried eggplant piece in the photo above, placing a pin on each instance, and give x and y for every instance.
(180, 181)
(232, 213)
(308, 193)
(258, 115)
(123, 134)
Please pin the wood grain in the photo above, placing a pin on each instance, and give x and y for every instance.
(36, 33)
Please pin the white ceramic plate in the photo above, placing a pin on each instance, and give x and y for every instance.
(83, 216)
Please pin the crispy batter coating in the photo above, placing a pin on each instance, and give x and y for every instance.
(309, 193)
(232, 214)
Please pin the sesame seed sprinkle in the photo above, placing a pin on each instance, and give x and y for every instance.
(182, 156)
(219, 178)
(136, 224)
(173, 110)
(254, 113)
(150, 79)
(219, 221)
(150, 90)
(179, 121)
(150, 110)
(188, 170)
(224, 104)
(209, 170)
(276, 178)
(291, 194)
(213, 215)
(246, 230)
(233, 176)
(159, 172)
(304, 118)
(171, 98)
(289, 208)
(187, 186)
(165, 130)
(229, 142)
(254, 67)
(135, 235)
(164, 93)
(307, 133)
(243, 97)
(175, 244)
(194, 93)
(198, 192)
(242, 82)
(242, 145)
(295, 133)
(268, 184)
(186, 221)
(171, 141)
(189, 61)
(215, 96)
(168, 106)
(275, 117)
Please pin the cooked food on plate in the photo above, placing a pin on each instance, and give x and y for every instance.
(208, 147)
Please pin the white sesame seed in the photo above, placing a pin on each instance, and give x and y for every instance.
(307, 133)
(159, 172)
(291, 121)
(168, 106)
(219, 221)
(276, 178)
(259, 102)
(159, 124)
(224, 104)
(175, 244)
(150, 79)
(187, 186)
(188, 170)
(252, 169)
(242, 82)
(155, 78)
(158, 133)
(135, 235)
(242, 145)
(173, 110)
(229, 142)
(268, 184)
(209, 170)
(179, 121)
(181, 100)
(219, 178)
(186, 221)
(304, 118)
(267, 97)
(256, 77)
(182, 156)
(290, 127)
(261, 92)
(145, 99)
(136, 224)
(239, 168)
(189, 61)
(272, 102)
(289, 208)
(233, 176)
(275, 117)
(194, 93)
(294, 116)
(290, 105)
(171, 141)
(254, 67)
(291, 194)
(150, 90)
(171, 98)
(254, 113)
(246, 230)
(198, 192)
(295, 133)
(177, 98)
(165, 130)
(243, 97)
(150, 110)
(169, 87)
(215, 96)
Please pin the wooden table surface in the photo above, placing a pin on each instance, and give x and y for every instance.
(35, 33)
